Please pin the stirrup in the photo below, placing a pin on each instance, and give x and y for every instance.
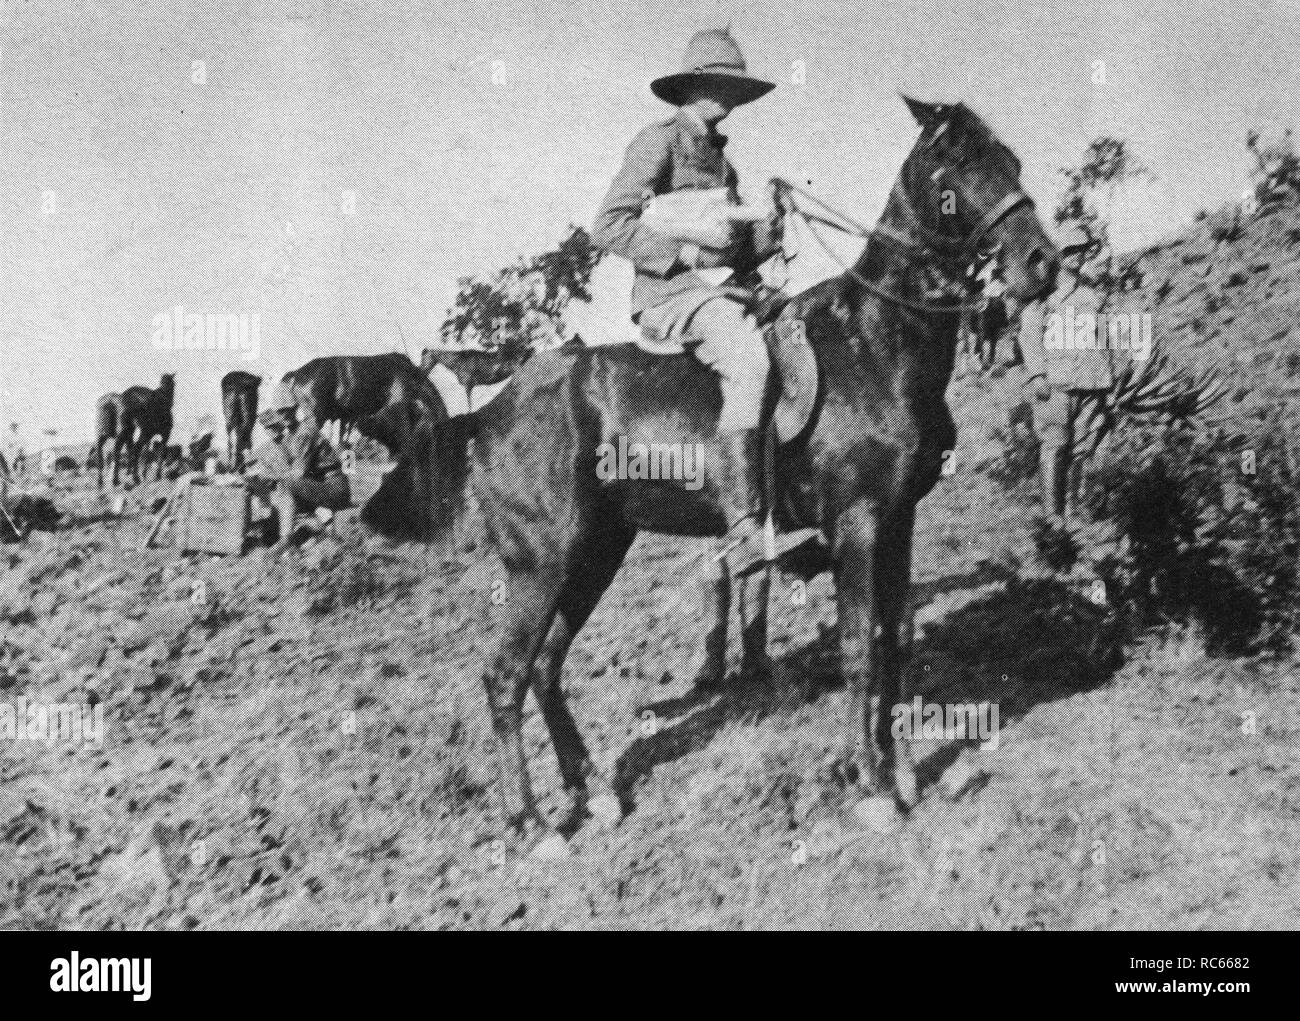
(769, 540)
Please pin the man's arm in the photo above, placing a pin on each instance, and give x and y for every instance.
(1031, 339)
(618, 228)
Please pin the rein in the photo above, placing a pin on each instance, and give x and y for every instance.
(934, 244)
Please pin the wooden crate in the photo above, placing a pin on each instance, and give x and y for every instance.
(214, 519)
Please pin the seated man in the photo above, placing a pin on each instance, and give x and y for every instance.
(298, 468)
(677, 294)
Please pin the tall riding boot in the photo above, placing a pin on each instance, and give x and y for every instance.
(740, 478)
(738, 470)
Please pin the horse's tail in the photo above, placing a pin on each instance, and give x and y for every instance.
(105, 419)
(422, 497)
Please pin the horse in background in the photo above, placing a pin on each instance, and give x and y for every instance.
(883, 335)
(109, 423)
(383, 396)
(147, 414)
(239, 406)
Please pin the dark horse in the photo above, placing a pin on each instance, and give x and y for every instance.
(384, 396)
(146, 416)
(239, 404)
(108, 427)
(884, 337)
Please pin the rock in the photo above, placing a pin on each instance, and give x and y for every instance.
(826, 839)
(551, 847)
(877, 814)
(605, 810)
(955, 778)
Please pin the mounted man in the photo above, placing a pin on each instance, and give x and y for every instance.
(695, 281)
(1066, 382)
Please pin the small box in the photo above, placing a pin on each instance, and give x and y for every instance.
(215, 519)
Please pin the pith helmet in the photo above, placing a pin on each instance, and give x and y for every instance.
(714, 58)
(282, 406)
(1074, 239)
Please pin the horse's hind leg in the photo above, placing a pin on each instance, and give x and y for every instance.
(602, 556)
(893, 587)
(530, 606)
(120, 443)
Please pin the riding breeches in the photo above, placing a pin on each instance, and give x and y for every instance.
(732, 345)
(1066, 418)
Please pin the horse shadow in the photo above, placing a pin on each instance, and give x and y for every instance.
(1029, 642)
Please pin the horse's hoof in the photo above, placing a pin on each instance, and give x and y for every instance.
(709, 678)
(605, 810)
(758, 669)
(878, 814)
(905, 788)
(551, 847)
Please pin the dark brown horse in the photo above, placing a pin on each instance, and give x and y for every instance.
(146, 416)
(239, 404)
(384, 396)
(884, 337)
(108, 425)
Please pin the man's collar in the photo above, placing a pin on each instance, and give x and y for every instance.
(694, 125)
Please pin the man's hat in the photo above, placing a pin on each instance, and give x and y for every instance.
(282, 405)
(712, 58)
(1073, 239)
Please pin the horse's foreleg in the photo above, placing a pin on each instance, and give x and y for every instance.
(587, 789)
(893, 588)
(755, 590)
(716, 609)
(855, 568)
(530, 608)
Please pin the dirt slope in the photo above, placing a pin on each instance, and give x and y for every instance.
(303, 742)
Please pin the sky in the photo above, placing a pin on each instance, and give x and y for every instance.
(332, 168)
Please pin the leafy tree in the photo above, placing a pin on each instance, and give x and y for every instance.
(522, 306)
(1277, 167)
(1106, 165)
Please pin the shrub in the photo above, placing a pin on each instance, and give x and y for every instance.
(1019, 461)
(1196, 536)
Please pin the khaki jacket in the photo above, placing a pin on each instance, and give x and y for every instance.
(668, 156)
(1062, 339)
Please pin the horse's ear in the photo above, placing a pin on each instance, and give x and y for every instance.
(933, 117)
(926, 114)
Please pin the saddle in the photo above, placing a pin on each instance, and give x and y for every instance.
(793, 362)
(791, 356)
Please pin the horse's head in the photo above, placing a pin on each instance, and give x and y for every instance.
(960, 188)
(167, 382)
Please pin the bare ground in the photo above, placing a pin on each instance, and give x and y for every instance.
(303, 742)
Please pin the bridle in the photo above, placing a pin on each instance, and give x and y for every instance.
(932, 243)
